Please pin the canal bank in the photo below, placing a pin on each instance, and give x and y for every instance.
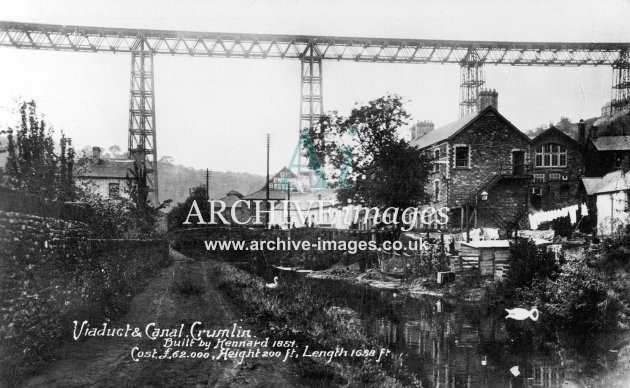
(416, 288)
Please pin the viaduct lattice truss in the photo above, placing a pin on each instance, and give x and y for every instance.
(471, 56)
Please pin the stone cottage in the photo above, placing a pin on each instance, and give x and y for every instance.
(107, 177)
(481, 167)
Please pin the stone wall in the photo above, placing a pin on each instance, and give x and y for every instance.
(52, 272)
(566, 191)
(491, 141)
(506, 201)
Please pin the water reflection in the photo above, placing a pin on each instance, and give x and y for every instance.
(447, 345)
(451, 344)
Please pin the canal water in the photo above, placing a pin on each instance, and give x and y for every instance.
(451, 344)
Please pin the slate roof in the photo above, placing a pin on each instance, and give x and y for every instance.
(611, 182)
(105, 168)
(230, 199)
(442, 133)
(449, 130)
(550, 131)
(612, 143)
(273, 194)
(302, 198)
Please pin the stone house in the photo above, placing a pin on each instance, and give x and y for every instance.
(606, 144)
(107, 177)
(607, 153)
(557, 165)
(481, 167)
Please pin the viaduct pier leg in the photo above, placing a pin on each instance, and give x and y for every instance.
(142, 135)
(621, 83)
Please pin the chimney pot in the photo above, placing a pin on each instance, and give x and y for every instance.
(487, 97)
(421, 128)
(96, 155)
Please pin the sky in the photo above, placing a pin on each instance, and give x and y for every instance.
(214, 112)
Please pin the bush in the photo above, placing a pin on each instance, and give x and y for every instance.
(592, 293)
(527, 263)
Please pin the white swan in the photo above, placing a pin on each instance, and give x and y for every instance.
(274, 284)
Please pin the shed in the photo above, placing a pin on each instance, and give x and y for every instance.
(489, 256)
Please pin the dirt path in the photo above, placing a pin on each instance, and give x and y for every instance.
(183, 293)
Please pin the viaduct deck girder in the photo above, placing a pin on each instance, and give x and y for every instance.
(237, 45)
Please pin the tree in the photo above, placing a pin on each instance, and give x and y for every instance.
(116, 152)
(383, 169)
(178, 214)
(32, 164)
(167, 159)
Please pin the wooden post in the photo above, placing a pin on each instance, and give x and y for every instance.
(467, 224)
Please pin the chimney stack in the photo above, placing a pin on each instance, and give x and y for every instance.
(421, 128)
(581, 132)
(96, 155)
(487, 97)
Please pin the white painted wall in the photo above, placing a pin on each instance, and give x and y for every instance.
(101, 185)
(612, 212)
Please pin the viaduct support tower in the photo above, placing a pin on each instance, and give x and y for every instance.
(621, 83)
(142, 136)
(311, 103)
(472, 79)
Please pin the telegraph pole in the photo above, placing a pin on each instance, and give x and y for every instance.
(267, 184)
(288, 202)
(208, 183)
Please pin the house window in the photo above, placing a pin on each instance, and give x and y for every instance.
(436, 191)
(536, 191)
(539, 177)
(462, 156)
(436, 158)
(554, 177)
(114, 190)
(551, 155)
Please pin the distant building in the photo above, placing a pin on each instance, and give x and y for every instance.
(304, 209)
(607, 153)
(480, 166)
(108, 177)
(231, 200)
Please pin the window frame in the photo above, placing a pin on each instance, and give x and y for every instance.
(436, 160)
(539, 177)
(468, 160)
(436, 190)
(550, 155)
(109, 190)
